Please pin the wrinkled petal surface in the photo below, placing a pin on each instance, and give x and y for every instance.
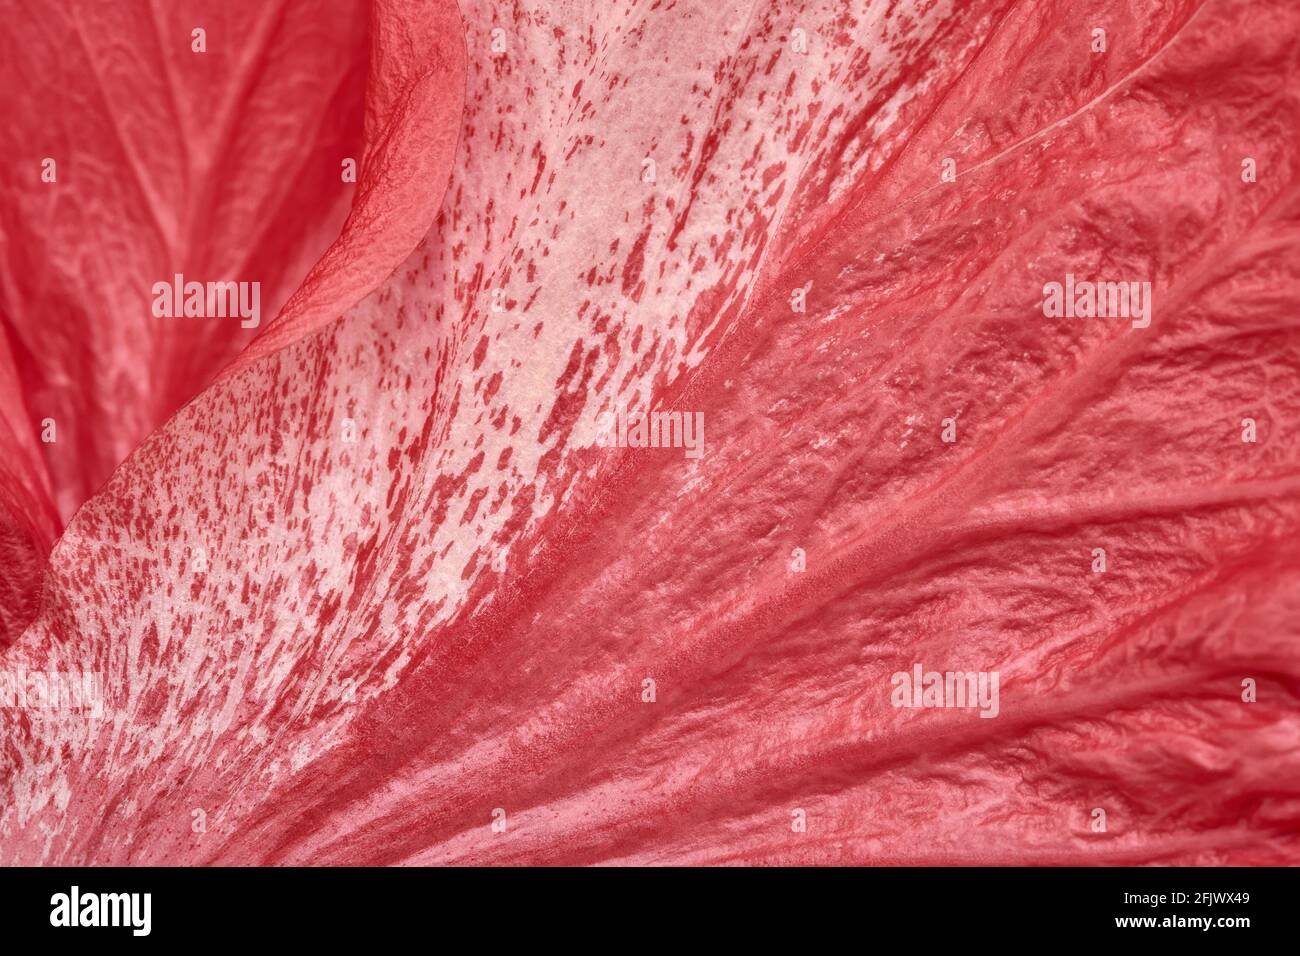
(428, 593)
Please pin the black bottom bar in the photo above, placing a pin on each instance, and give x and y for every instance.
(976, 907)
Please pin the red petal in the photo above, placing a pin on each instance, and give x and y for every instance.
(351, 680)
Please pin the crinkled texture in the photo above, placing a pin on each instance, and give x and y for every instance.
(455, 613)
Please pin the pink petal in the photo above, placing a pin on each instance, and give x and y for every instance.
(351, 680)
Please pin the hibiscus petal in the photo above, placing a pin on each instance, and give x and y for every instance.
(427, 604)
